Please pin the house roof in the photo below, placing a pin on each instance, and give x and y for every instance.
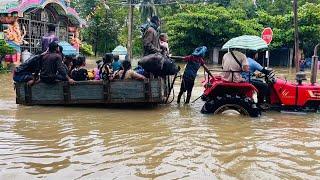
(20, 6)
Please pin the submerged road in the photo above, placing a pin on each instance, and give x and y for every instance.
(166, 142)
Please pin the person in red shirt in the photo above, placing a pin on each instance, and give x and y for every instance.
(194, 62)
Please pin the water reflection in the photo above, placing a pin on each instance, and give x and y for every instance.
(167, 142)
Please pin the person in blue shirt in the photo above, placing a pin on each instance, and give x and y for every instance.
(116, 65)
(254, 66)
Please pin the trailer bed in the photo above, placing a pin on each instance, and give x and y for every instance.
(153, 91)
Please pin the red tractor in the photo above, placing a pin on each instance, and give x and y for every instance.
(220, 95)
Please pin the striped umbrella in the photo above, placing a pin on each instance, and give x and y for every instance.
(246, 42)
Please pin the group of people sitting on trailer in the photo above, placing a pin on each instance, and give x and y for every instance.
(52, 66)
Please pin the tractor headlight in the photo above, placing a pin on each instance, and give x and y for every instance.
(255, 97)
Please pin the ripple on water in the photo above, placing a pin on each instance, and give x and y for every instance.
(7, 106)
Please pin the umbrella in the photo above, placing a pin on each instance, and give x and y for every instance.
(120, 50)
(68, 50)
(246, 42)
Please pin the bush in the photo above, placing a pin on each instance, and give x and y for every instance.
(86, 49)
(5, 48)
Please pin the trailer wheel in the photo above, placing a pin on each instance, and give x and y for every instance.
(219, 105)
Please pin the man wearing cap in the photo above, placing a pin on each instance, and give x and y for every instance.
(194, 62)
(151, 43)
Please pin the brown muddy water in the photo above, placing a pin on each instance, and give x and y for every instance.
(166, 142)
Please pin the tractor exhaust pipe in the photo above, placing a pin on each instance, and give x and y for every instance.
(314, 67)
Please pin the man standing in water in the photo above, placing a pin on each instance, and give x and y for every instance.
(194, 62)
(49, 38)
(151, 43)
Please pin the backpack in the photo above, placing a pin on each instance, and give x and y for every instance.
(143, 28)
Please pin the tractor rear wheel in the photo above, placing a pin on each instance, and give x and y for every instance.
(219, 105)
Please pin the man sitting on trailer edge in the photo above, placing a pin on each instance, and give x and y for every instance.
(52, 69)
(29, 70)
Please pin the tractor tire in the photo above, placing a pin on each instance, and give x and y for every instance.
(244, 106)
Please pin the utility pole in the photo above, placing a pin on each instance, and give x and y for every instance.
(130, 24)
(296, 36)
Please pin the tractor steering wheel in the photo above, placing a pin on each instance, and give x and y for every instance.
(270, 78)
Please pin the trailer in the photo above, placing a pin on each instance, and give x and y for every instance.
(149, 91)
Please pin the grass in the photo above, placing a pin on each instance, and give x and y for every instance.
(4, 69)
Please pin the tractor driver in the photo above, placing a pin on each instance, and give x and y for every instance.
(254, 66)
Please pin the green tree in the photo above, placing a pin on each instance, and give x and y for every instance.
(210, 25)
(104, 24)
(282, 25)
(309, 26)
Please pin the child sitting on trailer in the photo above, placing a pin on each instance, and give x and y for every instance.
(116, 64)
(164, 46)
(96, 70)
(106, 68)
(68, 62)
(127, 72)
(79, 73)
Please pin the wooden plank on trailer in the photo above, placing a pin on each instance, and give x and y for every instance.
(86, 92)
(52, 92)
(156, 89)
(126, 90)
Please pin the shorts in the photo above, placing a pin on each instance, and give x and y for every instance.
(186, 85)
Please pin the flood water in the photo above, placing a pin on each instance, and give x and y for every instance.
(166, 142)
